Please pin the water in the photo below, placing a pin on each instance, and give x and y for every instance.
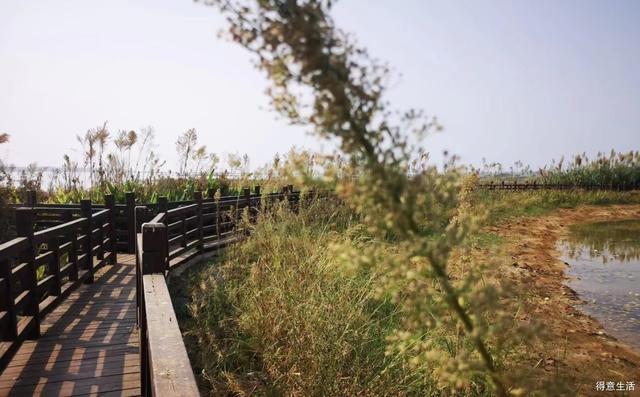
(604, 267)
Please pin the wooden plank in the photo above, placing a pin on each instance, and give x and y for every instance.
(89, 342)
(100, 313)
(79, 387)
(42, 348)
(105, 333)
(71, 367)
(117, 393)
(87, 374)
(94, 326)
(171, 372)
(74, 355)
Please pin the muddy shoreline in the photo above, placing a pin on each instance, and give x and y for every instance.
(579, 347)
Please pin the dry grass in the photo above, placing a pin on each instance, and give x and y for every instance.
(281, 316)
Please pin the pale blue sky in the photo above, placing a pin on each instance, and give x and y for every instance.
(509, 80)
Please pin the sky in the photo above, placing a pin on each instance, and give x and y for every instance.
(508, 80)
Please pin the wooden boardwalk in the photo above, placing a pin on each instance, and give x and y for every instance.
(89, 343)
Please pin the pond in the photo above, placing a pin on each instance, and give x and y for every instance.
(604, 269)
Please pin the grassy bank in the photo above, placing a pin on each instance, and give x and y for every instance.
(282, 315)
(287, 313)
(505, 204)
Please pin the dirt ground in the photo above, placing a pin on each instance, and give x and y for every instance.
(579, 347)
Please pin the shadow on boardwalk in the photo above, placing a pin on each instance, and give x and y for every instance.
(89, 344)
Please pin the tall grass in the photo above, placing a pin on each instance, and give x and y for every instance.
(282, 316)
(288, 312)
(505, 204)
(614, 169)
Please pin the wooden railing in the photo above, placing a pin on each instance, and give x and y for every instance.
(43, 265)
(47, 215)
(59, 247)
(168, 238)
(515, 185)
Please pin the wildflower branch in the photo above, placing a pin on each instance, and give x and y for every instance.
(320, 78)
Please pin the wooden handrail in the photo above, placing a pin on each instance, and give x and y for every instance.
(171, 373)
(99, 215)
(163, 244)
(13, 247)
(123, 215)
(90, 241)
(159, 218)
(43, 235)
(26, 299)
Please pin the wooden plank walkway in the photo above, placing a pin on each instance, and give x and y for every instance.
(89, 343)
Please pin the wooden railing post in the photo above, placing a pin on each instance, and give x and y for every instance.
(66, 217)
(86, 212)
(183, 231)
(73, 255)
(197, 196)
(293, 199)
(246, 194)
(9, 305)
(32, 198)
(24, 228)
(256, 210)
(246, 199)
(110, 204)
(99, 239)
(53, 245)
(217, 218)
(154, 248)
(130, 213)
(154, 261)
(164, 364)
(163, 204)
(141, 217)
(138, 277)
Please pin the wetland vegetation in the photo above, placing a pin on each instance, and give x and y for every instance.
(409, 280)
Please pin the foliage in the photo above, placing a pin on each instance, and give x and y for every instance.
(190, 153)
(319, 77)
(504, 204)
(615, 169)
(282, 315)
